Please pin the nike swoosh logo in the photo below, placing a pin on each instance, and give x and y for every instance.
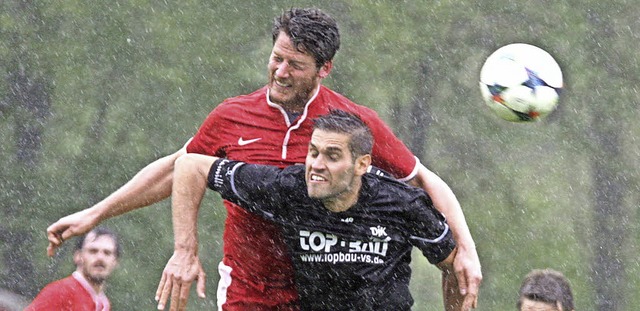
(243, 142)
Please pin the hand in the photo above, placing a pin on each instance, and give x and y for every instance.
(453, 299)
(468, 274)
(69, 226)
(181, 270)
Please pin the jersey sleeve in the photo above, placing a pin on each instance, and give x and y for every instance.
(428, 230)
(251, 186)
(389, 152)
(207, 138)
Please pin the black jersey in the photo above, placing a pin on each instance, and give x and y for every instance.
(352, 260)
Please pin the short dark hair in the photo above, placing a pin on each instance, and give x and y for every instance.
(340, 121)
(547, 285)
(100, 231)
(310, 30)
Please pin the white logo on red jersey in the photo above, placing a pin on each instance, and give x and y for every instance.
(243, 142)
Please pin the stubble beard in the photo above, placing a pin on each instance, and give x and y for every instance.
(95, 279)
(332, 197)
(298, 99)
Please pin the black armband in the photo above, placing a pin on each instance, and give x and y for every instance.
(221, 174)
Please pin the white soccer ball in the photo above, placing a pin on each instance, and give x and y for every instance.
(521, 82)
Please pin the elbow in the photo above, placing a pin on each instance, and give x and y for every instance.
(447, 264)
(185, 161)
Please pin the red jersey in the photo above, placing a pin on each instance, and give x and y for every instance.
(252, 129)
(72, 293)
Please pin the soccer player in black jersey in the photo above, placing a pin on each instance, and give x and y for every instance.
(350, 233)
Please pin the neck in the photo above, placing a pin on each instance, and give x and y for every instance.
(290, 109)
(97, 286)
(345, 200)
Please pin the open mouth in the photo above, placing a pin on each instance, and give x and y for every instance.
(281, 83)
(315, 177)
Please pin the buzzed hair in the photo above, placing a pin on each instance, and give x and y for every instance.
(342, 122)
(547, 285)
(311, 31)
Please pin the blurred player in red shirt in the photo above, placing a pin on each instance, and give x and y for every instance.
(95, 257)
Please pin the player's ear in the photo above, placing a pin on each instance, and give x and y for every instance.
(325, 69)
(77, 259)
(362, 164)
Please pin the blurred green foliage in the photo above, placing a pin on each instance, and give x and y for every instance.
(129, 82)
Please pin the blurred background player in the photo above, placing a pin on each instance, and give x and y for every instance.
(96, 256)
(545, 290)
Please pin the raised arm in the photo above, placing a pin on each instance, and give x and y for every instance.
(189, 185)
(467, 263)
(150, 185)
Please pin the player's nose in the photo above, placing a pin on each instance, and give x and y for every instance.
(318, 163)
(282, 71)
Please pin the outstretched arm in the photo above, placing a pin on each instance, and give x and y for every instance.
(150, 185)
(466, 262)
(453, 299)
(189, 185)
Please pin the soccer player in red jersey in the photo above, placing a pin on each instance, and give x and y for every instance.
(272, 126)
(95, 257)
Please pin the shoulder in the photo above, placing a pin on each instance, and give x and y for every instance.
(294, 171)
(384, 188)
(263, 178)
(57, 291)
(259, 94)
(234, 110)
(64, 284)
(245, 101)
(335, 100)
(292, 177)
